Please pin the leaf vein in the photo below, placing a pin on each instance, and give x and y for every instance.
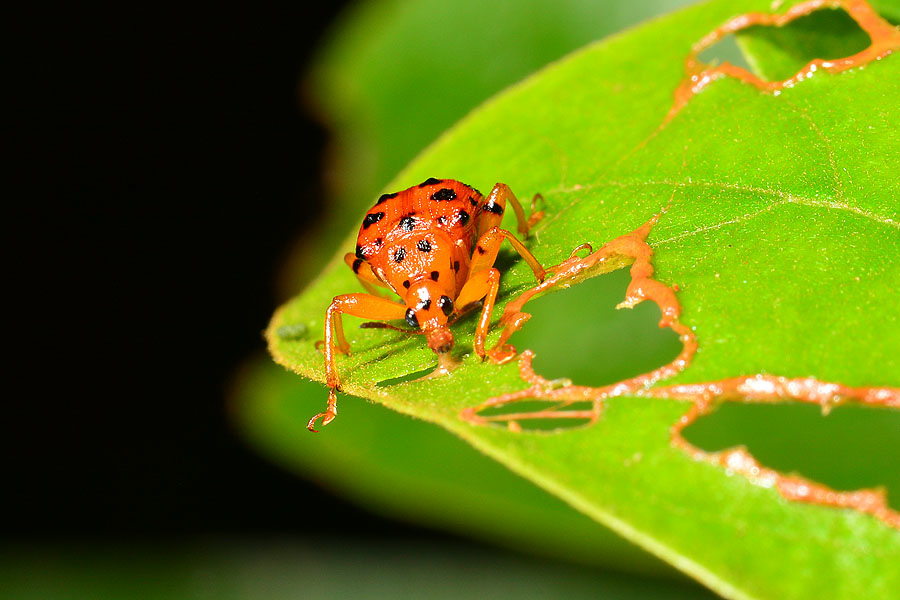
(784, 198)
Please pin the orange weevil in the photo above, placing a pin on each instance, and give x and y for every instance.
(434, 245)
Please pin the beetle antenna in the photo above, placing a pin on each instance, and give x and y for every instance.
(379, 325)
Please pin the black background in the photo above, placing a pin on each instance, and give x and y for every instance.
(163, 164)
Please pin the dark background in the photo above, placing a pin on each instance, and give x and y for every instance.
(164, 163)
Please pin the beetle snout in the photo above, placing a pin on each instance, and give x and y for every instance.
(440, 340)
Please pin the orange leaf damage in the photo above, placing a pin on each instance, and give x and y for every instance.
(885, 40)
(759, 388)
(632, 246)
(704, 397)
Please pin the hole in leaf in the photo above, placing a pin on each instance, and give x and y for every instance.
(826, 34)
(577, 333)
(725, 50)
(854, 447)
(533, 408)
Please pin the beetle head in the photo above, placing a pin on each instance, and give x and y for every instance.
(428, 308)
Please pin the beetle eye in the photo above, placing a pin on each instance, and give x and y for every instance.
(446, 305)
(411, 318)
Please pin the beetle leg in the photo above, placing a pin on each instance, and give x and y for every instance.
(483, 284)
(495, 205)
(488, 247)
(536, 215)
(484, 280)
(357, 305)
(365, 274)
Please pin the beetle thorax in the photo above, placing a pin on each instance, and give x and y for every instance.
(408, 257)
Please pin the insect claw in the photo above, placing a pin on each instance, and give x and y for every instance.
(535, 218)
(328, 416)
(585, 246)
(312, 422)
(502, 354)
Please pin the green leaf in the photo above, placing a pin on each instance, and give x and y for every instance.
(781, 231)
(366, 83)
(411, 471)
(779, 52)
(367, 80)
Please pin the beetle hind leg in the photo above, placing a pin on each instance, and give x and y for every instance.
(494, 206)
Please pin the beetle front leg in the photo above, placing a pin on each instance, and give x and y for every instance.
(483, 284)
(365, 275)
(357, 305)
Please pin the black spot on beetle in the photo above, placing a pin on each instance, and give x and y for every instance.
(385, 197)
(442, 220)
(406, 284)
(407, 223)
(473, 201)
(360, 253)
(463, 217)
(371, 219)
(446, 305)
(424, 304)
(399, 255)
(435, 275)
(491, 207)
(456, 266)
(444, 194)
(423, 246)
(480, 249)
(429, 181)
(356, 264)
(378, 242)
(411, 318)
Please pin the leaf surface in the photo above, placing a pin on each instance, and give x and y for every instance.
(405, 468)
(366, 83)
(780, 227)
